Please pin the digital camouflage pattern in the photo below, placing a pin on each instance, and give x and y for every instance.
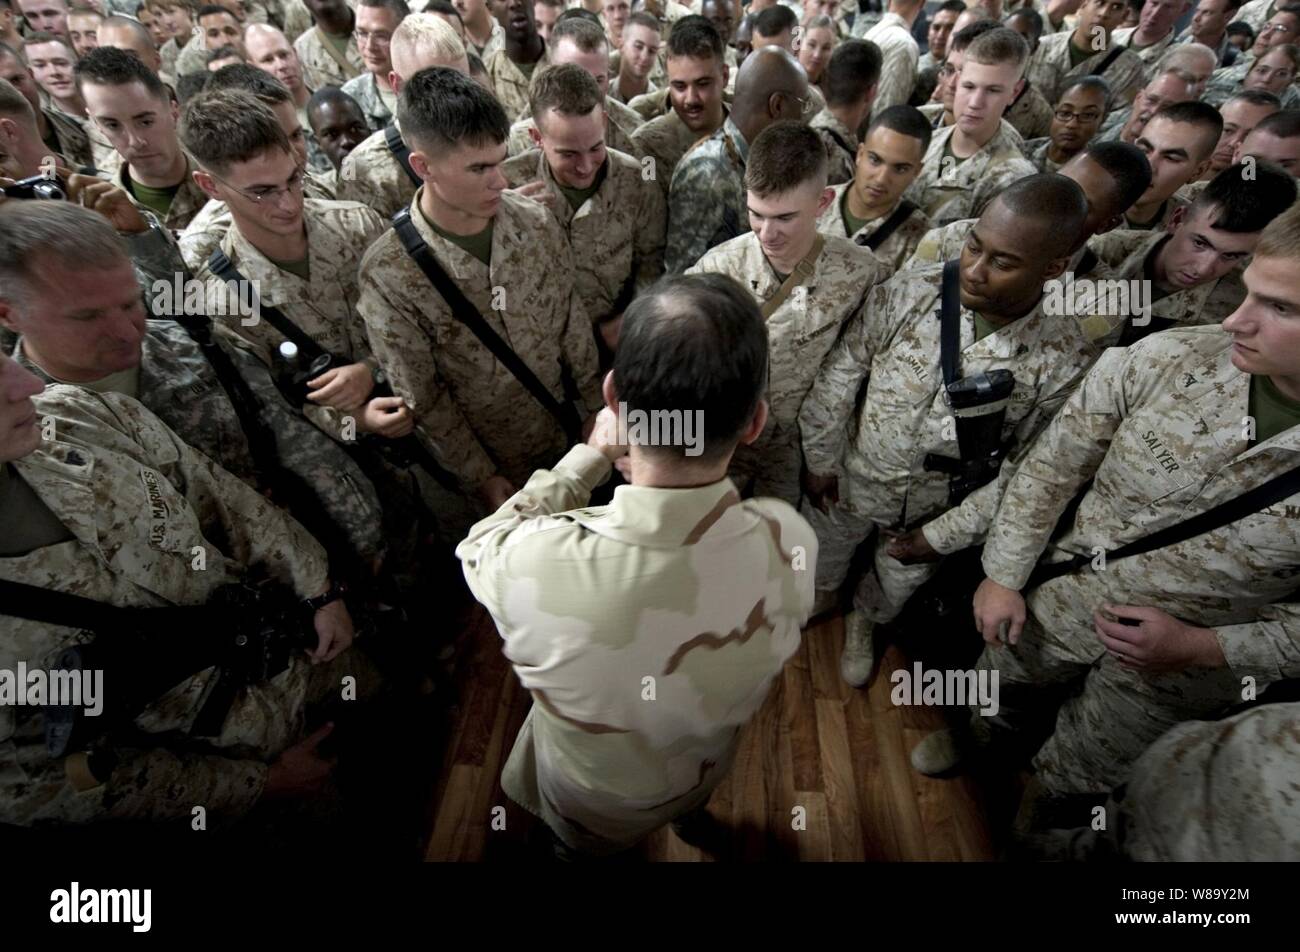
(324, 307)
(510, 83)
(948, 189)
(899, 56)
(706, 201)
(365, 90)
(800, 333)
(692, 588)
(895, 249)
(186, 203)
(665, 139)
(616, 236)
(371, 175)
(841, 146)
(1149, 55)
(1036, 152)
(70, 137)
(140, 503)
(1050, 67)
(1160, 429)
(1030, 114)
(471, 413)
(319, 68)
(878, 446)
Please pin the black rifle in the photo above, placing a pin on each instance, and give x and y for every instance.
(248, 632)
(979, 404)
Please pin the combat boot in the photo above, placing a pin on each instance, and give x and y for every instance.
(945, 751)
(858, 657)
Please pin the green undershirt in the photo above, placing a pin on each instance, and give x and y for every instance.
(852, 224)
(527, 69)
(1271, 409)
(480, 245)
(157, 200)
(301, 267)
(984, 328)
(29, 523)
(339, 42)
(577, 196)
(949, 154)
(1077, 55)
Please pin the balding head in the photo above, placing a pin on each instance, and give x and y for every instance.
(269, 49)
(125, 33)
(422, 41)
(770, 86)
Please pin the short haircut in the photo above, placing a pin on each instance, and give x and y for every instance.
(440, 109)
(568, 89)
(40, 36)
(162, 6)
(211, 9)
(220, 127)
(398, 7)
(1003, 46)
(1256, 97)
(109, 66)
(476, 65)
(1284, 124)
(1181, 52)
(1125, 164)
(1240, 28)
(14, 105)
(1244, 206)
(693, 343)
(775, 20)
(579, 13)
(226, 52)
(854, 67)
(1281, 239)
(906, 121)
(73, 235)
(951, 6)
(1095, 83)
(250, 79)
(87, 11)
(1055, 202)
(1291, 8)
(1032, 17)
(425, 35)
(695, 37)
(135, 26)
(331, 94)
(641, 18)
(1197, 114)
(588, 37)
(970, 33)
(783, 157)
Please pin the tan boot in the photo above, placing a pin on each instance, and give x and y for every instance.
(939, 753)
(858, 657)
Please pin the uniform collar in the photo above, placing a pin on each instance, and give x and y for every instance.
(671, 518)
(737, 138)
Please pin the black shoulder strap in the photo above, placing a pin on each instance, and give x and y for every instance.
(950, 322)
(890, 225)
(401, 152)
(1109, 58)
(1249, 502)
(224, 268)
(465, 312)
(839, 139)
(20, 600)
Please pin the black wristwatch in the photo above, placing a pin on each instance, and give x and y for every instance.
(335, 592)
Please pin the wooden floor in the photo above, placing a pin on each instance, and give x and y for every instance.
(840, 754)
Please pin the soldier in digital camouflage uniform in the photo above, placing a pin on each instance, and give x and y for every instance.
(693, 110)
(888, 161)
(612, 215)
(690, 594)
(511, 67)
(470, 412)
(371, 174)
(169, 373)
(706, 201)
(377, 108)
(1082, 51)
(1163, 430)
(324, 63)
(1194, 269)
(114, 479)
(804, 312)
(876, 455)
(953, 186)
